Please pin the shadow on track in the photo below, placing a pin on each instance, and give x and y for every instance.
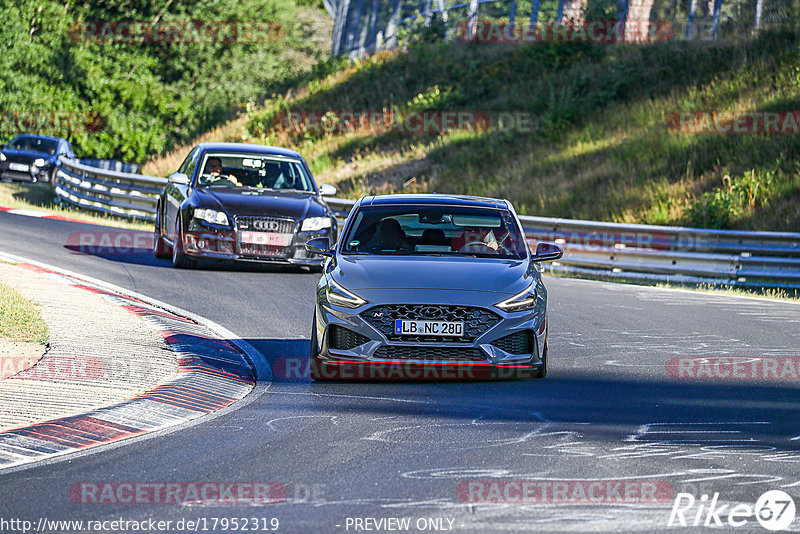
(709, 414)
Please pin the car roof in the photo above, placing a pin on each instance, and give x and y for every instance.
(37, 136)
(250, 148)
(434, 199)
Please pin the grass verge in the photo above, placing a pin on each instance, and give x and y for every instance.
(20, 319)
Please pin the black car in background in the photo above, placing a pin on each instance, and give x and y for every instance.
(33, 158)
(242, 202)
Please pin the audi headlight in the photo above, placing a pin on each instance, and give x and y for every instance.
(313, 224)
(524, 300)
(2, 157)
(211, 216)
(340, 296)
(39, 162)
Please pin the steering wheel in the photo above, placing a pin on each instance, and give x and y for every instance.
(230, 179)
(481, 243)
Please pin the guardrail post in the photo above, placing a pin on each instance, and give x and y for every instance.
(472, 20)
(690, 22)
(372, 37)
(534, 15)
(759, 12)
(442, 10)
(391, 27)
(622, 18)
(512, 15)
(715, 20)
(560, 12)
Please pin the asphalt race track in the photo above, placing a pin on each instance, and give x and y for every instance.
(611, 411)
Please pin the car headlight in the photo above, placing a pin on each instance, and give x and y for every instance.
(313, 224)
(340, 296)
(2, 157)
(39, 162)
(211, 216)
(524, 300)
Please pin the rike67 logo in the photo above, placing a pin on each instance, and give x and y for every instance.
(774, 510)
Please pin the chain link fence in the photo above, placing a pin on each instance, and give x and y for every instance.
(367, 26)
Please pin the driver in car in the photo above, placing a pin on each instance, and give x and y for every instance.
(478, 240)
(214, 173)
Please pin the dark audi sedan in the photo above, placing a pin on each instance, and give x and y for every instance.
(430, 286)
(234, 201)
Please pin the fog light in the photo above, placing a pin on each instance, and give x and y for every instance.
(225, 247)
(201, 243)
(189, 242)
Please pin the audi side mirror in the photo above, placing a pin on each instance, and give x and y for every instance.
(547, 252)
(327, 190)
(178, 178)
(320, 245)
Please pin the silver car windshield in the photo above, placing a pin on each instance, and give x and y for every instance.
(253, 171)
(435, 230)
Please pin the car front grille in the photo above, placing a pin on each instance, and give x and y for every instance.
(343, 339)
(430, 353)
(265, 224)
(476, 320)
(276, 225)
(517, 343)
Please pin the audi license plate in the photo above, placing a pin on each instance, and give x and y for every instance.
(428, 328)
(19, 167)
(265, 238)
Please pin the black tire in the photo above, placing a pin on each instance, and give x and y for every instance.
(52, 178)
(314, 361)
(160, 249)
(179, 259)
(541, 372)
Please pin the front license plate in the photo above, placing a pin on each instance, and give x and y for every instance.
(264, 238)
(428, 328)
(20, 167)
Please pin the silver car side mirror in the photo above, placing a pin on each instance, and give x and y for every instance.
(327, 190)
(178, 178)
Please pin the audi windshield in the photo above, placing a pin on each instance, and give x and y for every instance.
(440, 230)
(254, 171)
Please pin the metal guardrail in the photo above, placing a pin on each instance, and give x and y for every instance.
(626, 252)
(677, 255)
(107, 191)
